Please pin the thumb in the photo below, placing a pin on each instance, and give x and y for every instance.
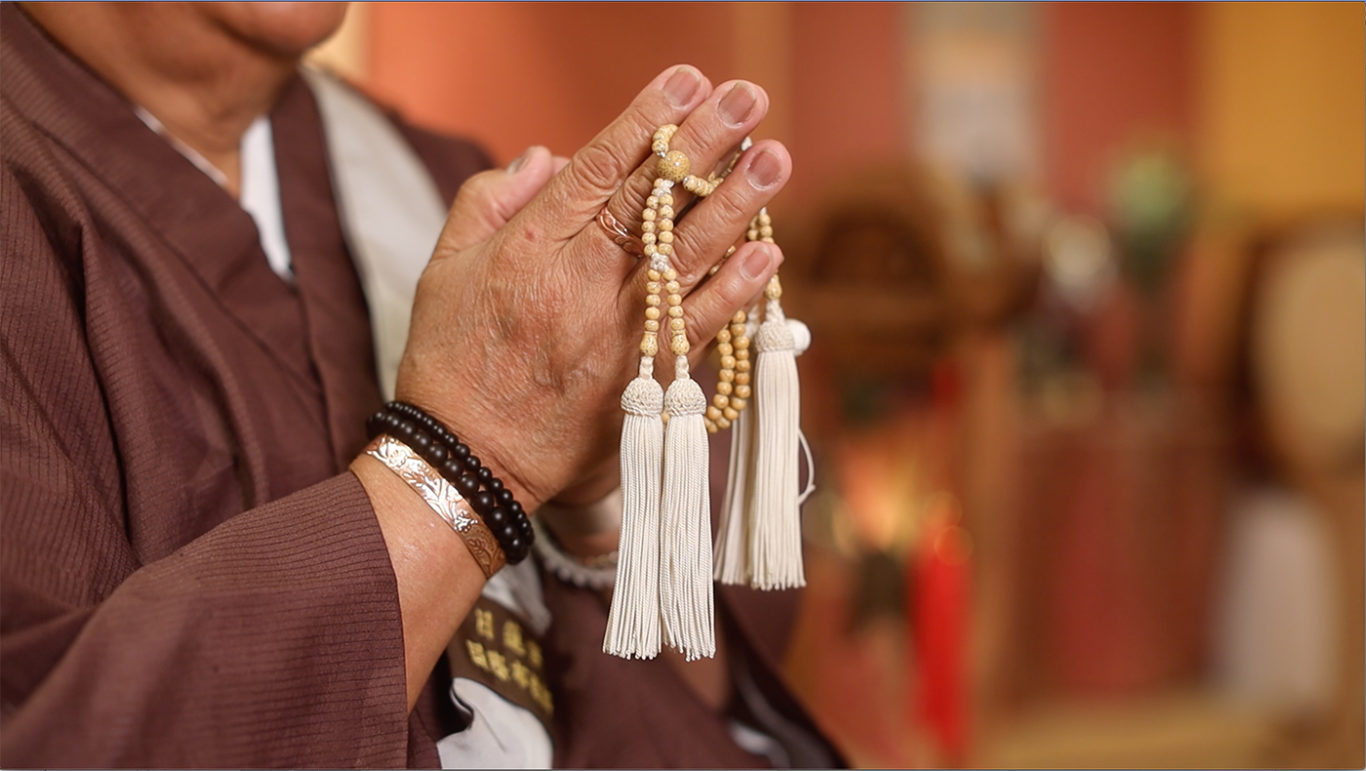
(489, 199)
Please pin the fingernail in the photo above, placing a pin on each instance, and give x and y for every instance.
(682, 86)
(756, 263)
(737, 104)
(521, 160)
(764, 170)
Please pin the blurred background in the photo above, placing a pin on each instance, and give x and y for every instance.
(1088, 390)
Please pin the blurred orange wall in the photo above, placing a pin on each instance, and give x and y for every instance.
(511, 74)
(1265, 99)
(1112, 74)
(1282, 116)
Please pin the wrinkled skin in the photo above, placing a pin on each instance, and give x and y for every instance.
(527, 320)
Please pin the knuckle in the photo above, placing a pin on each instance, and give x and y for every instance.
(689, 258)
(703, 317)
(731, 206)
(476, 189)
(693, 318)
(595, 167)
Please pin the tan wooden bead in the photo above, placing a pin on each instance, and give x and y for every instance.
(723, 424)
(670, 274)
(676, 311)
(647, 238)
(727, 375)
(724, 349)
(740, 317)
(666, 237)
(664, 249)
(730, 413)
(666, 225)
(651, 250)
(720, 400)
(713, 413)
(741, 343)
(741, 366)
(675, 298)
(652, 313)
(649, 345)
(652, 274)
(666, 213)
(742, 391)
(649, 215)
(712, 428)
(738, 403)
(651, 325)
(680, 346)
(723, 336)
(699, 186)
(724, 388)
(666, 199)
(652, 287)
(751, 235)
(652, 300)
(741, 378)
(673, 287)
(652, 202)
(676, 324)
(728, 362)
(674, 166)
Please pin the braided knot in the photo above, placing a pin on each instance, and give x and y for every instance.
(684, 398)
(774, 336)
(643, 397)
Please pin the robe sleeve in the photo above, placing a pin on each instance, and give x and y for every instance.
(272, 640)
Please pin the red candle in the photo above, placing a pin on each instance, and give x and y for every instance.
(941, 586)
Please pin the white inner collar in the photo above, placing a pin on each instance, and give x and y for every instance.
(260, 196)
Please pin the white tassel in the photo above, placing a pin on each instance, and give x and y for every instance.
(685, 589)
(775, 529)
(633, 624)
(732, 539)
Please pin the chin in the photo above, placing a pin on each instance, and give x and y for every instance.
(282, 29)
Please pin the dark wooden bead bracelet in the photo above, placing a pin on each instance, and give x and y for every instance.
(451, 458)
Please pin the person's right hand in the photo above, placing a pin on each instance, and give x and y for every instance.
(528, 319)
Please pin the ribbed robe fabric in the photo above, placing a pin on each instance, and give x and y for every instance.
(188, 575)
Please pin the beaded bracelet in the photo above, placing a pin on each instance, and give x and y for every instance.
(598, 573)
(452, 459)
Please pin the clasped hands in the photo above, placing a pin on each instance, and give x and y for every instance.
(526, 322)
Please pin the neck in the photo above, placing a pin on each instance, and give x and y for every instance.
(205, 89)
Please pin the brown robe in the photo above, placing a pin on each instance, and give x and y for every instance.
(188, 574)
